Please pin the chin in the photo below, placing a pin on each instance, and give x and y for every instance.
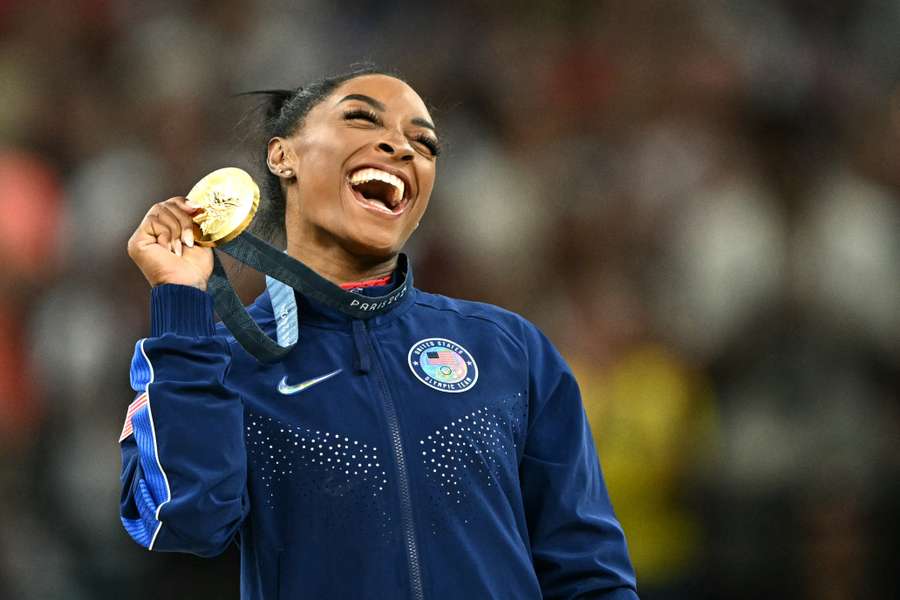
(375, 244)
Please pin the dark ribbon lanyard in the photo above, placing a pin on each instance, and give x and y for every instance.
(256, 253)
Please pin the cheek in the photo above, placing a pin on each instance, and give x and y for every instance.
(317, 167)
(426, 185)
(420, 209)
(320, 152)
(319, 177)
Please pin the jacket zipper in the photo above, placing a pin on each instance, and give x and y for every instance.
(406, 514)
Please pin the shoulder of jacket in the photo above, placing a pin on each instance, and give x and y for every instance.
(513, 325)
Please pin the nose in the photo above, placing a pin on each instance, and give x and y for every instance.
(396, 149)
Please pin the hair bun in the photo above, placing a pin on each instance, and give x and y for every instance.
(275, 99)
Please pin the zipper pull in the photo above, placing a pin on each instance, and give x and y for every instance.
(362, 361)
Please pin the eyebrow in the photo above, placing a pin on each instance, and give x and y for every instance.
(422, 123)
(363, 98)
(380, 106)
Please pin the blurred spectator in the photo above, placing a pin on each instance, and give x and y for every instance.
(29, 243)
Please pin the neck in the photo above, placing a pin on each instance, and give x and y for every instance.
(339, 266)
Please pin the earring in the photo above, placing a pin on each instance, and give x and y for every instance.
(287, 173)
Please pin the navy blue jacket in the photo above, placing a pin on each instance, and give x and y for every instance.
(439, 450)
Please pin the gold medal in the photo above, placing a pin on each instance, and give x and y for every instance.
(227, 199)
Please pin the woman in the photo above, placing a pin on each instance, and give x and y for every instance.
(438, 450)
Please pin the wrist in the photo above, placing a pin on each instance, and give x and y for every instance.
(181, 309)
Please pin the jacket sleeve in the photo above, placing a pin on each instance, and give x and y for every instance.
(183, 459)
(577, 544)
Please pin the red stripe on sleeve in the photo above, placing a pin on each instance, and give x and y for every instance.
(127, 428)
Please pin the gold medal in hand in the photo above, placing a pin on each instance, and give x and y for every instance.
(227, 199)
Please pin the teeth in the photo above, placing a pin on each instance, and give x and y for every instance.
(368, 174)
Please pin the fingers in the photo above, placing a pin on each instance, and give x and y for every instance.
(183, 211)
(160, 232)
(165, 227)
(167, 218)
(169, 224)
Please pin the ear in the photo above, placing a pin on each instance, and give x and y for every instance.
(279, 158)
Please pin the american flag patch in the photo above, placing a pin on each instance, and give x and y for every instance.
(138, 403)
(443, 357)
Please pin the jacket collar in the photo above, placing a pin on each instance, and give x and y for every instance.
(288, 308)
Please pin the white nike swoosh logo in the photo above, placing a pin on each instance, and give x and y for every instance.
(287, 390)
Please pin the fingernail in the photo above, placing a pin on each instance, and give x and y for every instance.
(187, 236)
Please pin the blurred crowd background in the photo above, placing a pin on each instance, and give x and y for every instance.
(696, 200)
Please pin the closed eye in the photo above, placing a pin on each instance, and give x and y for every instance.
(362, 114)
(429, 142)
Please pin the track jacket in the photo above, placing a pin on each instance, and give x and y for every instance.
(437, 451)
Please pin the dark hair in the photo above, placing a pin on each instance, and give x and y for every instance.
(285, 111)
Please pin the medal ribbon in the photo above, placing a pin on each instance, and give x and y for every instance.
(262, 256)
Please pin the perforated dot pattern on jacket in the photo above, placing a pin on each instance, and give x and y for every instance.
(480, 451)
(333, 474)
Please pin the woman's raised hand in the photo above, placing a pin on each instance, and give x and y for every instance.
(163, 246)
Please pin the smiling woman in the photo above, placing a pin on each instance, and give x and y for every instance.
(368, 135)
(435, 448)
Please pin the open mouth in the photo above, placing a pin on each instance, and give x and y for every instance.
(379, 190)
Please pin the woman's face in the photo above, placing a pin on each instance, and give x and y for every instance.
(364, 162)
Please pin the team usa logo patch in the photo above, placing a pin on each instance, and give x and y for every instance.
(443, 365)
